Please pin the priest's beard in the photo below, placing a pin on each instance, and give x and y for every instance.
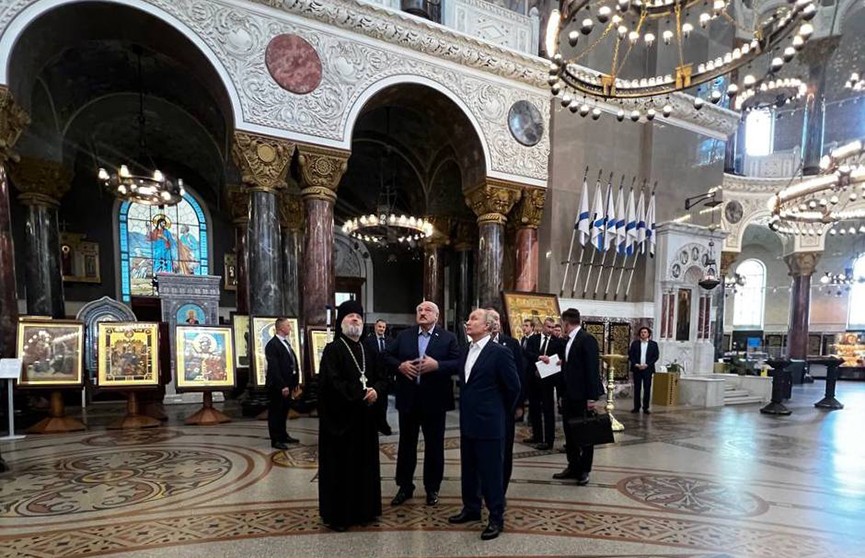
(352, 331)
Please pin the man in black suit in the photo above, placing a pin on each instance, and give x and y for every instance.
(377, 345)
(581, 373)
(511, 418)
(489, 388)
(643, 354)
(542, 399)
(282, 382)
(423, 360)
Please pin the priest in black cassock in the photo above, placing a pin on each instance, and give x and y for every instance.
(349, 478)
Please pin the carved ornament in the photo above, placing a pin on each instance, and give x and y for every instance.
(802, 263)
(41, 182)
(263, 161)
(13, 120)
(238, 204)
(290, 210)
(530, 210)
(321, 169)
(493, 200)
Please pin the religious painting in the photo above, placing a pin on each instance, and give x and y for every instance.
(318, 339)
(229, 272)
(263, 330)
(51, 352)
(190, 314)
(128, 354)
(240, 325)
(683, 315)
(204, 357)
(521, 306)
(79, 259)
(596, 330)
(160, 240)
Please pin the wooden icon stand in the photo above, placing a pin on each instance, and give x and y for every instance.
(133, 419)
(56, 422)
(207, 415)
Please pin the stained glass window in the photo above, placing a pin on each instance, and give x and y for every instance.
(155, 240)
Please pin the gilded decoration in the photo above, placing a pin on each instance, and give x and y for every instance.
(13, 120)
(263, 161)
(802, 263)
(321, 169)
(40, 182)
(290, 208)
(530, 210)
(238, 204)
(493, 200)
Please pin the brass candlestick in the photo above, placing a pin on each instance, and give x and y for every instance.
(612, 361)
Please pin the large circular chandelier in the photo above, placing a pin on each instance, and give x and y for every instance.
(154, 189)
(834, 196)
(382, 229)
(772, 93)
(615, 29)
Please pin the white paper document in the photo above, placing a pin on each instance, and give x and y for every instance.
(546, 370)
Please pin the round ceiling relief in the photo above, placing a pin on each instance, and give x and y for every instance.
(293, 63)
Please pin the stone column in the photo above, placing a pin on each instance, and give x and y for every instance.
(801, 266)
(816, 55)
(727, 261)
(263, 162)
(465, 241)
(13, 120)
(321, 169)
(41, 185)
(491, 202)
(291, 222)
(238, 199)
(528, 214)
(433, 263)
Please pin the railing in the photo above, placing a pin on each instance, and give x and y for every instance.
(780, 164)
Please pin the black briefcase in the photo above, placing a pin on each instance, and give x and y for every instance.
(591, 430)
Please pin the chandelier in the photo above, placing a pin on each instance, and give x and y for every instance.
(811, 206)
(615, 29)
(855, 83)
(149, 188)
(774, 93)
(382, 229)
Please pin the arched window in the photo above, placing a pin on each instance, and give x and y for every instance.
(748, 304)
(856, 300)
(153, 240)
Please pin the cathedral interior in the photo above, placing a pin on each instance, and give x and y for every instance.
(176, 174)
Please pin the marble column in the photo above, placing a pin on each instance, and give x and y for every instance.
(238, 198)
(801, 266)
(321, 170)
(491, 202)
(13, 120)
(433, 262)
(291, 222)
(727, 261)
(263, 162)
(528, 214)
(816, 55)
(465, 241)
(41, 185)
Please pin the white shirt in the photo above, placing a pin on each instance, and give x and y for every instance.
(571, 337)
(644, 346)
(475, 350)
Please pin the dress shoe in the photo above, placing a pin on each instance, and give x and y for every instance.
(290, 440)
(401, 497)
(566, 474)
(432, 497)
(385, 430)
(544, 447)
(279, 445)
(531, 440)
(583, 479)
(647, 412)
(337, 528)
(492, 531)
(635, 410)
(465, 517)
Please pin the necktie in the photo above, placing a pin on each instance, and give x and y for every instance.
(523, 343)
(544, 346)
(290, 354)
(381, 344)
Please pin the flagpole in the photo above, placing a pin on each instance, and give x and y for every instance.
(597, 211)
(606, 247)
(631, 276)
(625, 263)
(573, 237)
(613, 267)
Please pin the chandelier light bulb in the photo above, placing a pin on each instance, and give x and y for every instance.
(573, 38)
(635, 115)
(719, 5)
(698, 103)
(798, 42)
(103, 174)
(789, 53)
(584, 110)
(667, 110)
(574, 106)
(623, 5)
(715, 96)
(806, 30)
(633, 36)
(809, 12)
(667, 36)
(587, 26)
(704, 19)
(124, 171)
(686, 29)
(596, 113)
(749, 81)
(604, 13)
(776, 64)
(622, 31)
(566, 100)
(650, 114)
(620, 115)
(732, 90)
(649, 38)
(551, 37)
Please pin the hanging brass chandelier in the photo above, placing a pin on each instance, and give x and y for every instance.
(581, 33)
(772, 93)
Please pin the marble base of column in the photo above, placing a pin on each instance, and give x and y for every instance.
(527, 260)
(242, 270)
(8, 287)
(490, 257)
(317, 274)
(800, 304)
(292, 249)
(433, 275)
(264, 255)
(42, 274)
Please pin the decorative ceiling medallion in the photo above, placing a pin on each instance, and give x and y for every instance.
(293, 63)
(526, 123)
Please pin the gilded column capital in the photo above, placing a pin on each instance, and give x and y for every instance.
(238, 204)
(41, 182)
(727, 261)
(802, 263)
(263, 161)
(321, 169)
(492, 200)
(530, 209)
(290, 207)
(13, 120)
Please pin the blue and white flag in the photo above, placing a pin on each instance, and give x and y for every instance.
(583, 217)
(620, 221)
(630, 226)
(610, 220)
(598, 220)
(650, 225)
(641, 222)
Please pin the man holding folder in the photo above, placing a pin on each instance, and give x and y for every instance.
(542, 400)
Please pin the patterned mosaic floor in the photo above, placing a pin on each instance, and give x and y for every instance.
(710, 483)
